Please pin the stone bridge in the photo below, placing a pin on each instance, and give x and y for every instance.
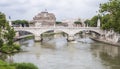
(71, 31)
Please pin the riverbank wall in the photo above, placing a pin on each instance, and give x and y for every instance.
(105, 41)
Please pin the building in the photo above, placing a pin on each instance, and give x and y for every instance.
(43, 19)
(71, 22)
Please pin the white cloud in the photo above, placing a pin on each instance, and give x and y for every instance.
(63, 9)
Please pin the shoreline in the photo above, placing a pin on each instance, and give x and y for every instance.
(105, 42)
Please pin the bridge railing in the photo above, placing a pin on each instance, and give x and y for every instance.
(95, 29)
(56, 27)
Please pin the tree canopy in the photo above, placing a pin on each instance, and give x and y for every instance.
(92, 22)
(6, 32)
(2, 20)
(2, 27)
(7, 35)
(111, 15)
(77, 22)
(58, 22)
(21, 22)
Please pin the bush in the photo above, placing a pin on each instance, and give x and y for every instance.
(10, 49)
(25, 66)
(17, 47)
(6, 49)
(4, 65)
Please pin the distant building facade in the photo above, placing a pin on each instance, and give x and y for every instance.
(71, 22)
(43, 19)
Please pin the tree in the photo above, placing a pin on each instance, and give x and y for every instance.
(87, 22)
(58, 22)
(6, 32)
(77, 22)
(2, 27)
(2, 20)
(93, 21)
(106, 22)
(112, 7)
(9, 35)
(21, 22)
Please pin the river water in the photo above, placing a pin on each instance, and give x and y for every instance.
(57, 53)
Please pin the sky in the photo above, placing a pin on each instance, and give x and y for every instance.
(63, 9)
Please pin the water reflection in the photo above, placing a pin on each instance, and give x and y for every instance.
(109, 55)
(57, 53)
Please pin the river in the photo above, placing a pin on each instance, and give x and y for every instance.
(57, 53)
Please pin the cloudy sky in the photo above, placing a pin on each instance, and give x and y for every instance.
(63, 9)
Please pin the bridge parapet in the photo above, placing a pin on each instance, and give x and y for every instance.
(68, 29)
(57, 28)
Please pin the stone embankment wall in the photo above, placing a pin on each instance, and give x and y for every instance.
(109, 37)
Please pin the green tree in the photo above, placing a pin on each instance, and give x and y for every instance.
(106, 22)
(2, 27)
(93, 21)
(21, 22)
(112, 7)
(77, 22)
(87, 22)
(58, 22)
(2, 20)
(9, 35)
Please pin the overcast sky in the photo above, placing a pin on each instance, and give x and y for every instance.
(63, 9)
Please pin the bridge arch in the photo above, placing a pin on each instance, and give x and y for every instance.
(30, 31)
(94, 31)
(41, 32)
(97, 32)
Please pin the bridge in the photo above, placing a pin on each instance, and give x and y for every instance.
(71, 31)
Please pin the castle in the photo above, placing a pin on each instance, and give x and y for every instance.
(43, 19)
